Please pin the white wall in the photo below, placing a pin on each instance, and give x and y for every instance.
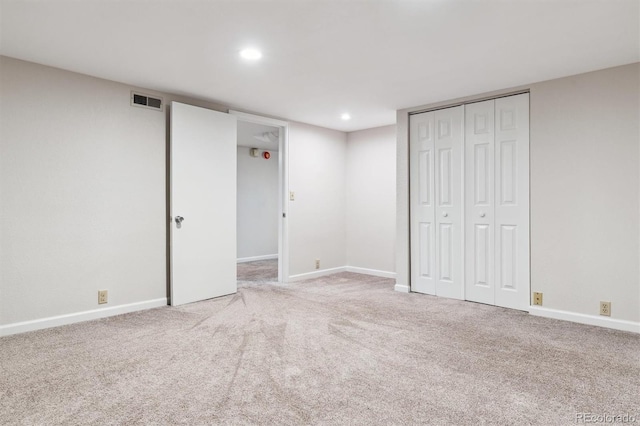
(82, 180)
(585, 192)
(82, 194)
(585, 141)
(317, 228)
(371, 199)
(257, 208)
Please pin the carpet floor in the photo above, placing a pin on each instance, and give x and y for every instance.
(342, 349)
(258, 270)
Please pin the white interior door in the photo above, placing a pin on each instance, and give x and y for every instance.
(512, 201)
(203, 203)
(423, 228)
(448, 135)
(497, 202)
(436, 144)
(479, 194)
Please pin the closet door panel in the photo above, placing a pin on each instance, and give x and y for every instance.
(512, 202)
(422, 202)
(479, 202)
(448, 146)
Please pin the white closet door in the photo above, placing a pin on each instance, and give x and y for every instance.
(448, 138)
(479, 204)
(497, 202)
(512, 201)
(422, 202)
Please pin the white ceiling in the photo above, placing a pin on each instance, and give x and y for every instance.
(247, 131)
(323, 58)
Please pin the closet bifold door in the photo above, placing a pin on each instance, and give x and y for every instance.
(512, 202)
(422, 202)
(497, 202)
(449, 141)
(479, 205)
(436, 154)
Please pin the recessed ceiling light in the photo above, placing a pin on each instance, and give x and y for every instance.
(251, 54)
(345, 116)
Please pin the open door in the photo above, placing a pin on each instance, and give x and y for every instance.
(203, 204)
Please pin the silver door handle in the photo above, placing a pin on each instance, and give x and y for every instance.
(179, 219)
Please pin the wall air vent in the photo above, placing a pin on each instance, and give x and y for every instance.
(146, 101)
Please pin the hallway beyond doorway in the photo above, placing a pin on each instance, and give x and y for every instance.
(258, 270)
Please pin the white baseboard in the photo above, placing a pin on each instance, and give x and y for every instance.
(374, 272)
(315, 274)
(254, 258)
(401, 288)
(39, 324)
(599, 321)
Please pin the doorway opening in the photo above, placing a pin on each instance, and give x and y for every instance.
(261, 202)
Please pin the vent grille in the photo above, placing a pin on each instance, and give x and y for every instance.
(146, 101)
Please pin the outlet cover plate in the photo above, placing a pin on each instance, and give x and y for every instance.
(605, 309)
(537, 298)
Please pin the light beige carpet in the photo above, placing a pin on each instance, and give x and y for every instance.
(344, 349)
(258, 270)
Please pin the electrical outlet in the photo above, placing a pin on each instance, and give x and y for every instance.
(317, 263)
(292, 196)
(102, 297)
(605, 309)
(537, 298)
